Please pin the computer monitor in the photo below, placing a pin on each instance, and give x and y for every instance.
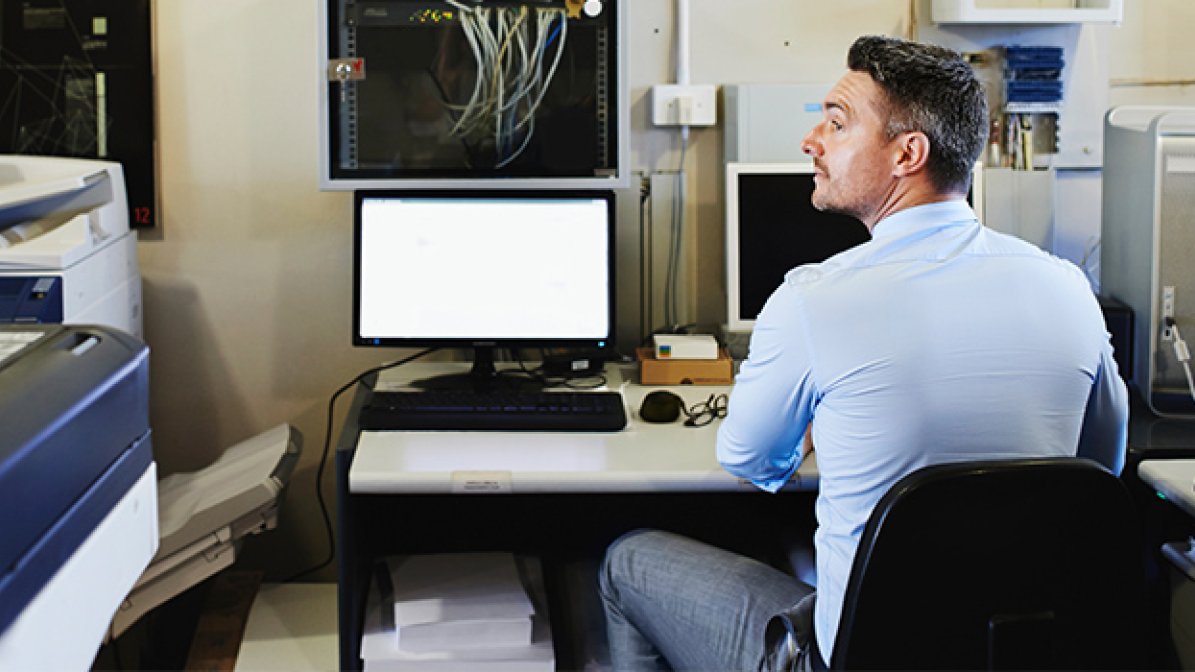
(483, 269)
(772, 227)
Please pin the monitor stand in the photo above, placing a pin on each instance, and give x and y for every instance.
(483, 377)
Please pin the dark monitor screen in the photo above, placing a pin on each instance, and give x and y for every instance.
(484, 268)
(771, 228)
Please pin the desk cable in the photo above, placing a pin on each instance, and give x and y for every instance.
(591, 381)
(1183, 354)
(323, 460)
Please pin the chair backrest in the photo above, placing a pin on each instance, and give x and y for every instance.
(1023, 564)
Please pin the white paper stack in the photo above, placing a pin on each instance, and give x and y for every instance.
(458, 611)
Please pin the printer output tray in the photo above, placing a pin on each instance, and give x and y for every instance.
(204, 514)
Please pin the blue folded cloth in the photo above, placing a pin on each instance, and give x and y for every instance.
(1017, 58)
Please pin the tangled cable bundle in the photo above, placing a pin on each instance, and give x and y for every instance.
(510, 46)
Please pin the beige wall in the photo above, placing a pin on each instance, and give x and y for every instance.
(1153, 55)
(247, 280)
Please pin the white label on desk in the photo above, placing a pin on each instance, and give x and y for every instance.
(480, 482)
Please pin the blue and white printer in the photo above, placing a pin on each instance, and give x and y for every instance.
(90, 539)
(67, 254)
(78, 489)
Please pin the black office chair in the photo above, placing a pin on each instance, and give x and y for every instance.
(1025, 564)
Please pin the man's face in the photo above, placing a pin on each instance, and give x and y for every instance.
(851, 155)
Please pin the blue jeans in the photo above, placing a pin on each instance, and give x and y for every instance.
(675, 603)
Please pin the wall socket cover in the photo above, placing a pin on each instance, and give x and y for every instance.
(684, 105)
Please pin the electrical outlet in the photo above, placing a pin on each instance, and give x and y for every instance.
(1167, 311)
(683, 105)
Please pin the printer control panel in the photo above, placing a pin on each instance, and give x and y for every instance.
(30, 299)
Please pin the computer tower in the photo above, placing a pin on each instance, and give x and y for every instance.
(1148, 242)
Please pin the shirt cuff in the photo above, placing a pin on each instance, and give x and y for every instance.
(774, 484)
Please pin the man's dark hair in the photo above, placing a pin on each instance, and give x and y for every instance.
(933, 90)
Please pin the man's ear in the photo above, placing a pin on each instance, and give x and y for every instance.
(912, 153)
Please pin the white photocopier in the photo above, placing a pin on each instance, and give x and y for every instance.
(90, 538)
(78, 492)
(67, 254)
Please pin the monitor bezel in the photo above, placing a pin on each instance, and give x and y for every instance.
(479, 343)
(734, 322)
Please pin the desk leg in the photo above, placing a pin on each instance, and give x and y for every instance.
(349, 591)
(352, 579)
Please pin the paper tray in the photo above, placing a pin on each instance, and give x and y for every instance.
(203, 515)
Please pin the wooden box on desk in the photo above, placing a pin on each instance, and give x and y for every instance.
(654, 371)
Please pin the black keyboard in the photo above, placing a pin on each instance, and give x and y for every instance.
(498, 410)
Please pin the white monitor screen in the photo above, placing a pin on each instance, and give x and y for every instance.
(484, 267)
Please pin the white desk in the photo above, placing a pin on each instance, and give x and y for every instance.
(644, 457)
(1174, 479)
(559, 495)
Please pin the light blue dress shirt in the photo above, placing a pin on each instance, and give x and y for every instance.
(939, 340)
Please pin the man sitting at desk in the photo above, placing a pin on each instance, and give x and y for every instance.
(936, 341)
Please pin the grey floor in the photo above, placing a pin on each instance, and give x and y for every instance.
(291, 627)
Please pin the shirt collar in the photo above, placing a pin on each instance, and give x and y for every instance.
(921, 217)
